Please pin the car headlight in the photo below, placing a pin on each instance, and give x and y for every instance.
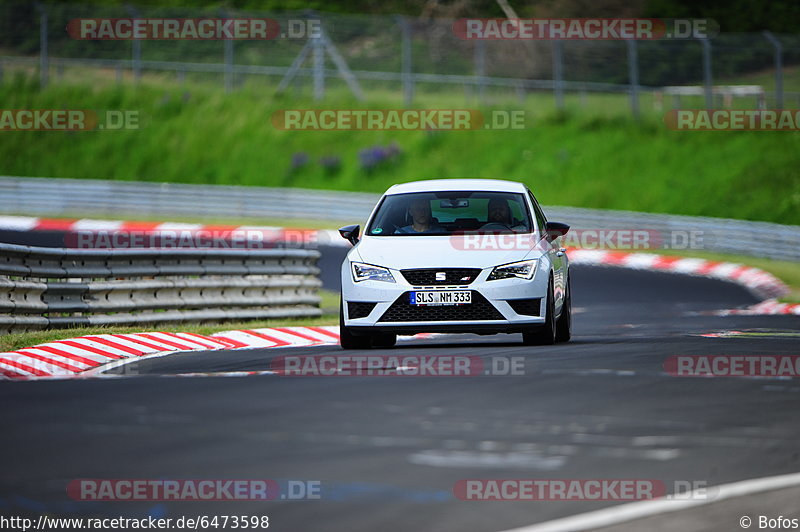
(522, 270)
(368, 272)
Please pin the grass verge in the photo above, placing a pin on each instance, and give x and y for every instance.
(591, 155)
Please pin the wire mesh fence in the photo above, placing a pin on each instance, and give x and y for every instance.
(379, 53)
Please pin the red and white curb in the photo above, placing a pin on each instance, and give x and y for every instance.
(761, 283)
(770, 306)
(90, 354)
(245, 233)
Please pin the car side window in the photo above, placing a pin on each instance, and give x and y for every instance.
(538, 214)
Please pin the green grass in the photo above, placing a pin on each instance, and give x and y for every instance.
(592, 155)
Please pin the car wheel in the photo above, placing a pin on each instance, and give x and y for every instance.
(347, 339)
(564, 324)
(544, 334)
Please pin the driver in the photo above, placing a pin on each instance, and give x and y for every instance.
(423, 222)
(499, 216)
(499, 212)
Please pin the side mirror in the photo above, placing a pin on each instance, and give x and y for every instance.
(350, 233)
(555, 230)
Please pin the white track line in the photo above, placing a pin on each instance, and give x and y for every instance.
(638, 510)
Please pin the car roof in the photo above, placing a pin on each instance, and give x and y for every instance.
(436, 185)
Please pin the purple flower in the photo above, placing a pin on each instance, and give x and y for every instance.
(372, 157)
(299, 160)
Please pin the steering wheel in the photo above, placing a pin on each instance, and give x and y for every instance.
(495, 226)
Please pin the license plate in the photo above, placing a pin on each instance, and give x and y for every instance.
(441, 297)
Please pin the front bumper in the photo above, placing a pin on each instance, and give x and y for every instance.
(492, 309)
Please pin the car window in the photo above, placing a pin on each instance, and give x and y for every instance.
(451, 212)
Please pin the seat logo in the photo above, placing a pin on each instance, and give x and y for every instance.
(441, 276)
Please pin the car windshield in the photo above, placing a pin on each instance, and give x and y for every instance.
(450, 212)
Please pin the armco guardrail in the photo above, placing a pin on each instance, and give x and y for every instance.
(81, 197)
(61, 197)
(692, 233)
(52, 288)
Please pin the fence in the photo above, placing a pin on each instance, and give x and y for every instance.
(52, 288)
(71, 197)
(401, 53)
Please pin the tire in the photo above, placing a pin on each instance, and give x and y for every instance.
(564, 323)
(347, 339)
(544, 334)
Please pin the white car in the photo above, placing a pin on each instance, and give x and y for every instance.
(455, 256)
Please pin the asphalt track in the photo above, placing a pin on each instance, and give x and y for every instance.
(389, 450)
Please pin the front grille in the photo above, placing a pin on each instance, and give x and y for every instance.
(528, 307)
(480, 309)
(453, 276)
(359, 309)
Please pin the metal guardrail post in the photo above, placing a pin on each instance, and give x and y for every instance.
(778, 68)
(633, 76)
(44, 63)
(227, 58)
(318, 62)
(136, 48)
(480, 68)
(406, 61)
(558, 73)
(708, 84)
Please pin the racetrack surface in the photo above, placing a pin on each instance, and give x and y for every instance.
(388, 450)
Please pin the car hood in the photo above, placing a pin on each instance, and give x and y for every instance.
(401, 252)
